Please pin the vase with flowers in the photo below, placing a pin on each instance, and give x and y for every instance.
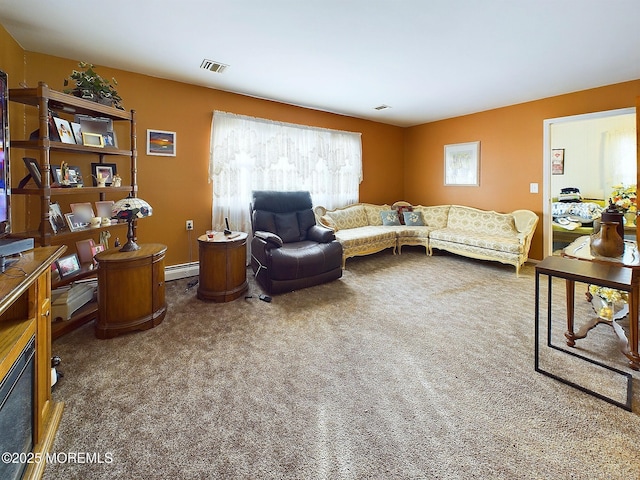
(625, 200)
(86, 83)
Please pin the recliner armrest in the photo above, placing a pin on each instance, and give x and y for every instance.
(320, 234)
(268, 237)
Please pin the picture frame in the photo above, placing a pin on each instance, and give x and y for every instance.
(110, 140)
(99, 170)
(462, 164)
(95, 250)
(64, 130)
(77, 132)
(75, 176)
(83, 247)
(92, 139)
(57, 221)
(557, 161)
(82, 212)
(74, 224)
(161, 142)
(104, 209)
(34, 170)
(90, 124)
(68, 265)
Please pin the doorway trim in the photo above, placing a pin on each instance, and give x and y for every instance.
(547, 233)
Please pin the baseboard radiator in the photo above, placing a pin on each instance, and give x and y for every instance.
(182, 270)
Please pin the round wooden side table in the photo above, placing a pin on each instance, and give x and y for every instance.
(223, 266)
(130, 290)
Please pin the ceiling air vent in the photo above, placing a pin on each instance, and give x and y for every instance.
(381, 107)
(215, 67)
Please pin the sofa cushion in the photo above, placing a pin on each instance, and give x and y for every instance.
(263, 220)
(435, 216)
(374, 235)
(413, 219)
(500, 243)
(327, 221)
(287, 226)
(306, 219)
(472, 220)
(389, 217)
(349, 217)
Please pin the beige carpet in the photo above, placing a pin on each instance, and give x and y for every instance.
(408, 367)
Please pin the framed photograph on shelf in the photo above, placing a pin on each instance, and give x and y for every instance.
(74, 224)
(83, 247)
(68, 265)
(110, 140)
(462, 164)
(161, 142)
(73, 173)
(56, 219)
(64, 130)
(92, 139)
(82, 212)
(95, 250)
(103, 171)
(34, 170)
(77, 132)
(557, 161)
(104, 209)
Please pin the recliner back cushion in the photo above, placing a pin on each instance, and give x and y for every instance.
(263, 220)
(306, 220)
(287, 226)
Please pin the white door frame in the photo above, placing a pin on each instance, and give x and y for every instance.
(547, 233)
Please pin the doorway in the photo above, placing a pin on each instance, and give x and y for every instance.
(591, 153)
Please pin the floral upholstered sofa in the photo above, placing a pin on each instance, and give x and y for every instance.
(364, 228)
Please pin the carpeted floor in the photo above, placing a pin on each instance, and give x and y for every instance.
(408, 367)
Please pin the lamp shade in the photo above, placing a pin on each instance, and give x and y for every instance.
(130, 209)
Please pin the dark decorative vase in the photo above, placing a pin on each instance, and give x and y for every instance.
(611, 214)
(607, 242)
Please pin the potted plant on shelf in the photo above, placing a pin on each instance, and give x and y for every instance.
(86, 83)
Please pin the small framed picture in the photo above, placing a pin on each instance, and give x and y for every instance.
(74, 223)
(557, 161)
(74, 177)
(77, 132)
(462, 164)
(95, 250)
(64, 130)
(68, 265)
(104, 171)
(83, 247)
(104, 208)
(34, 170)
(110, 140)
(93, 139)
(56, 219)
(161, 142)
(82, 212)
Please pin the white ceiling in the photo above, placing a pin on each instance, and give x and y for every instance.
(426, 59)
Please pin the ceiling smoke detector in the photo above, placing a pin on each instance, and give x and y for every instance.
(381, 107)
(215, 67)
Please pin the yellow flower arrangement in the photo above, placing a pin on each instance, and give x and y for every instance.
(610, 295)
(624, 198)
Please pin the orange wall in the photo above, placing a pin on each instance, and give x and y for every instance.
(177, 187)
(511, 151)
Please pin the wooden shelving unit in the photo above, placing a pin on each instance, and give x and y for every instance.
(45, 101)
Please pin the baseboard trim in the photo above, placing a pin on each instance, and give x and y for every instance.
(183, 270)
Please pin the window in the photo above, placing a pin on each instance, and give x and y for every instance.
(255, 154)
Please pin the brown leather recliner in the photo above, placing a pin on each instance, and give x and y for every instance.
(289, 251)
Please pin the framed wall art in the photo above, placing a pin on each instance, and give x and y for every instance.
(462, 164)
(161, 142)
(557, 161)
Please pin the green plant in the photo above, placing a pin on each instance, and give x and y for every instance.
(88, 84)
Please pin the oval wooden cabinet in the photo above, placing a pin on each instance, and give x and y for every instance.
(223, 267)
(130, 290)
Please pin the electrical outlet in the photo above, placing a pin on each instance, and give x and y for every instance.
(189, 224)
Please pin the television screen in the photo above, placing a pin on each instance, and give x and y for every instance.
(5, 188)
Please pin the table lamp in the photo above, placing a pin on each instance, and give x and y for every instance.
(130, 209)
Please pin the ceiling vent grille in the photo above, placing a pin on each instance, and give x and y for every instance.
(381, 107)
(215, 67)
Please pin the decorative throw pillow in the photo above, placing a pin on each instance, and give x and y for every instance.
(389, 217)
(413, 219)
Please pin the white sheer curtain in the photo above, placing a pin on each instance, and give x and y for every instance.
(256, 154)
(619, 152)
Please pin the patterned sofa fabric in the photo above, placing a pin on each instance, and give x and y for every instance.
(482, 234)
